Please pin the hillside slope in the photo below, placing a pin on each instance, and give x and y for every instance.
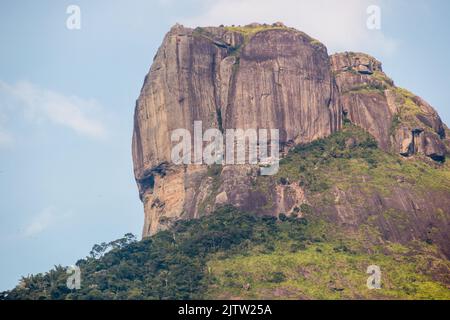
(307, 255)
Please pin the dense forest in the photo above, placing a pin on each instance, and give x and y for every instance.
(169, 265)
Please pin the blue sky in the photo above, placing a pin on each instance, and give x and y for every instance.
(67, 100)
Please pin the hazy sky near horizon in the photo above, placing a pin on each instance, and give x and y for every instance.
(67, 99)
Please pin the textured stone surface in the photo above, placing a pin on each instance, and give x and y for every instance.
(275, 78)
(262, 77)
(401, 216)
(371, 100)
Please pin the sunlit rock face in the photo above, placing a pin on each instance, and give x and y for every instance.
(263, 77)
(260, 77)
(400, 121)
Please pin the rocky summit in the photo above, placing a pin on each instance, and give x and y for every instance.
(273, 76)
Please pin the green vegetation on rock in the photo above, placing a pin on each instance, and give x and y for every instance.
(232, 254)
(319, 271)
(350, 157)
(251, 30)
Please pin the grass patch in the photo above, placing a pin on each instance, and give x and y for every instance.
(320, 271)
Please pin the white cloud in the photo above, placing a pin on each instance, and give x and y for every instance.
(41, 105)
(340, 25)
(46, 219)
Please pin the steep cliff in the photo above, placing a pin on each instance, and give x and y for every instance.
(227, 77)
(272, 76)
(400, 121)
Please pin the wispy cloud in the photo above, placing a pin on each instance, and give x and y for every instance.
(46, 219)
(40, 105)
(340, 25)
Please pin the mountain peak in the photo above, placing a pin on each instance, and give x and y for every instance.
(264, 76)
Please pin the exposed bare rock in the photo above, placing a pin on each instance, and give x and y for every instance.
(221, 198)
(402, 215)
(358, 62)
(430, 145)
(282, 82)
(275, 78)
(392, 115)
(242, 77)
(261, 76)
(289, 198)
(405, 137)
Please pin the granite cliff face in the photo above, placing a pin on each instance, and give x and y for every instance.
(400, 121)
(255, 77)
(271, 76)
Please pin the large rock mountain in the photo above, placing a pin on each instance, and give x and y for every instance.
(362, 181)
(272, 76)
